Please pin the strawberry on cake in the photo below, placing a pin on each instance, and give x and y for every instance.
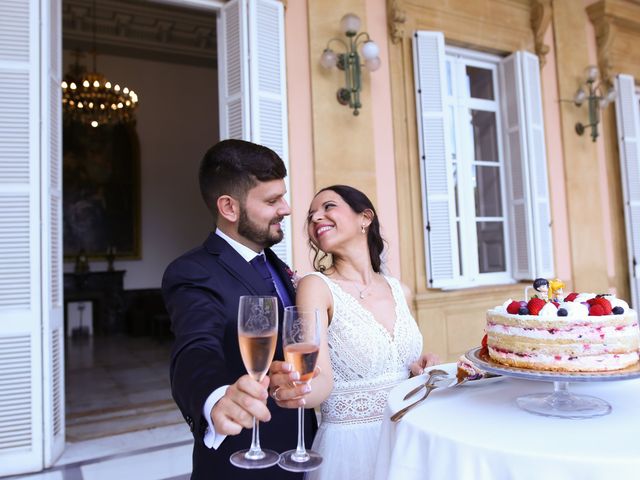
(582, 333)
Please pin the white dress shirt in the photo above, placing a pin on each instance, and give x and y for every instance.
(211, 438)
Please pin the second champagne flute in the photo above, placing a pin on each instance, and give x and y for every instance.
(301, 343)
(257, 336)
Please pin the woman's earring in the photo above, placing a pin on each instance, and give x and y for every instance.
(362, 229)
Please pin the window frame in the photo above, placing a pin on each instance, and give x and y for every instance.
(459, 103)
(527, 173)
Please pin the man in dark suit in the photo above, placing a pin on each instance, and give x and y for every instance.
(243, 187)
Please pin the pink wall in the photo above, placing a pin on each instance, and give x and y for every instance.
(557, 178)
(387, 204)
(555, 162)
(300, 128)
(602, 158)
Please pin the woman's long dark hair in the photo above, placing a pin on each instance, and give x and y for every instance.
(358, 202)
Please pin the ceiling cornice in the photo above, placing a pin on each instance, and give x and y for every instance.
(142, 30)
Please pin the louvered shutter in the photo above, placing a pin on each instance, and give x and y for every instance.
(437, 189)
(51, 237)
(529, 209)
(628, 123)
(251, 62)
(538, 176)
(233, 54)
(21, 419)
(269, 124)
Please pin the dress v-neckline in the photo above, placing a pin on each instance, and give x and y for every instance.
(390, 334)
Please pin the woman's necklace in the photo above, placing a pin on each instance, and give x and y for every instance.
(362, 292)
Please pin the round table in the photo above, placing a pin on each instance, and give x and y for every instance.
(476, 431)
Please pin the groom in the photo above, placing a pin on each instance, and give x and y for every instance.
(243, 186)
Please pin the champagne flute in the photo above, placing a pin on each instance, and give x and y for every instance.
(301, 343)
(257, 336)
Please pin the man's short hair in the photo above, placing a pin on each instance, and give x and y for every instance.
(233, 167)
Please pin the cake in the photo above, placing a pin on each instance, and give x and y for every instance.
(464, 369)
(578, 333)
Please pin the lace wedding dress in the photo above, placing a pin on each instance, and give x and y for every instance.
(367, 362)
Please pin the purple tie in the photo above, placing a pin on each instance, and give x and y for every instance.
(259, 262)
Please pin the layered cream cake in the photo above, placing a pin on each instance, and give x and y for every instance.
(583, 333)
(464, 369)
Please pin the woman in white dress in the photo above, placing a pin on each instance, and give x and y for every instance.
(370, 339)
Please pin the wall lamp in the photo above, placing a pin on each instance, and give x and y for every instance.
(349, 61)
(592, 92)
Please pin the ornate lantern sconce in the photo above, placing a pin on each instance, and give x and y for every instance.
(349, 61)
(592, 91)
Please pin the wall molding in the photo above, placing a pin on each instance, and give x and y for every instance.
(142, 30)
(617, 28)
(541, 12)
(396, 18)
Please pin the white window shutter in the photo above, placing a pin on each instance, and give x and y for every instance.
(233, 65)
(21, 418)
(537, 160)
(628, 123)
(269, 125)
(253, 92)
(527, 185)
(435, 168)
(51, 237)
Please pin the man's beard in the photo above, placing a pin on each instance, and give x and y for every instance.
(261, 236)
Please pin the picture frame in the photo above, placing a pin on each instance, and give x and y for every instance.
(101, 191)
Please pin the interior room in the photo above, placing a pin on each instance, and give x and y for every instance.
(131, 204)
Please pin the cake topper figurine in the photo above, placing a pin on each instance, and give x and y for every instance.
(541, 285)
(556, 290)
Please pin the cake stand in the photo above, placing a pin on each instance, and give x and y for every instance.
(561, 403)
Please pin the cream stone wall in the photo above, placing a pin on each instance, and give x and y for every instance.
(301, 178)
(343, 150)
(328, 144)
(451, 321)
(614, 34)
(585, 191)
(586, 204)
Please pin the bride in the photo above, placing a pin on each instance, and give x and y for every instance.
(370, 340)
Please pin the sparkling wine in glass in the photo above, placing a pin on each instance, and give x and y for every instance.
(257, 336)
(301, 343)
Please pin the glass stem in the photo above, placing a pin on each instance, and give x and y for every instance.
(561, 387)
(300, 450)
(255, 452)
(561, 396)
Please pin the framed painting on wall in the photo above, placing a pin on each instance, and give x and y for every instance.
(101, 191)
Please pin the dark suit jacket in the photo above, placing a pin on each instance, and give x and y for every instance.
(201, 290)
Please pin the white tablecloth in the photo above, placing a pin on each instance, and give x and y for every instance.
(477, 432)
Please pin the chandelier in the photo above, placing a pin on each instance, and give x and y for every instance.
(89, 98)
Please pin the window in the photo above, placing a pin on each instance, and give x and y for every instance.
(628, 122)
(484, 176)
(477, 170)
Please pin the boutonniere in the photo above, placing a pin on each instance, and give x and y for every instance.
(293, 277)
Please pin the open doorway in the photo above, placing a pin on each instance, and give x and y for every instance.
(117, 341)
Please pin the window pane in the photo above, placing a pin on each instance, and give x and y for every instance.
(449, 79)
(480, 82)
(487, 192)
(459, 248)
(491, 254)
(485, 137)
(454, 170)
(452, 132)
